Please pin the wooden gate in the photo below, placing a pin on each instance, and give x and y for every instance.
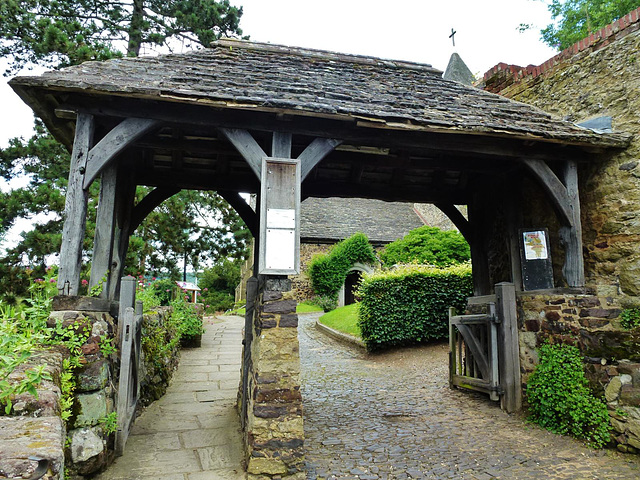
(130, 334)
(484, 353)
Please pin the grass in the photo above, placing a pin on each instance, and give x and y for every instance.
(343, 319)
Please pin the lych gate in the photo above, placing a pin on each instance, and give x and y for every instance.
(338, 125)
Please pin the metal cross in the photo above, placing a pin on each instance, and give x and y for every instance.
(452, 36)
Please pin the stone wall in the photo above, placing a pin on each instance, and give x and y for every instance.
(81, 445)
(612, 354)
(274, 429)
(601, 78)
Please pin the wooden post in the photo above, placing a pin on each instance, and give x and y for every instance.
(103, 237)
(509, 347)
(126, 190)
(571, 236)
(75, 211)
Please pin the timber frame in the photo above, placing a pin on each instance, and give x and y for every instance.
(359, 126)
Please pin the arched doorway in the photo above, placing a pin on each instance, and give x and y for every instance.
(346, 296)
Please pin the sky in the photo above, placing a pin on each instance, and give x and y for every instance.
(414, 30)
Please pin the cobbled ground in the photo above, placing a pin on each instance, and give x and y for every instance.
(393, 416)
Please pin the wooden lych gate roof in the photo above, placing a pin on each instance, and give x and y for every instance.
(405, 133)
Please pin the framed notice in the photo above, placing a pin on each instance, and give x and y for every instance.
(537, 269)
(279, 252)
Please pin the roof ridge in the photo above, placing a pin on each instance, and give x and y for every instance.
(323, 54)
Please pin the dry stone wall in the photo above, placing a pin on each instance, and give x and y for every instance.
(612, 353)
(81, 446)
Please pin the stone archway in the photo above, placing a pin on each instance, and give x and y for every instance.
(345, 296)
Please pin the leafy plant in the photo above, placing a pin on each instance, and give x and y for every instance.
(109, 422)
(328, 272)
(107, 346)
(325, 302)
(184, 315)
(410, 304)
(428, 246)
(560, 400)
(630, 318)
(96, 290)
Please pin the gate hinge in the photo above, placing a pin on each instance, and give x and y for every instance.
(495, 318)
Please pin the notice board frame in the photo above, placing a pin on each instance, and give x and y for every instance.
(279, 252)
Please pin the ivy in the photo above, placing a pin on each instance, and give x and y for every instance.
(329, 271)
(630, 318)
(560, 400)
(410, 304)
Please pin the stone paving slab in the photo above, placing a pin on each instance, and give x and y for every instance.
(393, 416)
(192, 432)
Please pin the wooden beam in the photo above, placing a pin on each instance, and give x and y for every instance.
(281, 145)
(114, 142)
(554, 188)
(318, 149)
(243, 209)
(565, 198)
(103, 236)
(461, 223)
(247, 146)
(148, 203)
(75, 210)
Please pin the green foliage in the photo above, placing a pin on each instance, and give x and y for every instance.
(147, 295)
(163, 289)
(109, 423)
(576, 19)
(630, 318)
(343, 319)
(58, 33)
(325, 302)
(218, 285)
(186, 317)
(410, 304)
(428, 246)
(328, 272)
(560, 400)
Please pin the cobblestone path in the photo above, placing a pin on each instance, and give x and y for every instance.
(393, 416)
(192, 432)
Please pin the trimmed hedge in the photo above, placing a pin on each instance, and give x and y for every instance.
(427, 246)
(410, 304)
(328, 272)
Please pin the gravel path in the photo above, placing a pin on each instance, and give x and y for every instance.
(393, 416)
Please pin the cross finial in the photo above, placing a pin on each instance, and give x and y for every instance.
(452, 36)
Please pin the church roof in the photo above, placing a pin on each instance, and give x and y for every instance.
(334, 219)
(249, 76)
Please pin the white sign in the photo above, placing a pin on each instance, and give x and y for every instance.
(535, 245)
(280, 249)
(281, 218)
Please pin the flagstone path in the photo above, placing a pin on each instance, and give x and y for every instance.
(192, 432)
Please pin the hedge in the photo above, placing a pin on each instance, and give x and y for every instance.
(428, 246)
(410, 304)
(329, 271)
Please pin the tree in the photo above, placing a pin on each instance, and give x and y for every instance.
(429, 246)
(56, 33)
(67, 32)
(574, 20)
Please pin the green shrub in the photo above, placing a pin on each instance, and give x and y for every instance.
(428, 246)
(630, 318)
(164, 289)
(410, 304)
(185, 315)
(328, 272)
(559, 399)
(325, 302)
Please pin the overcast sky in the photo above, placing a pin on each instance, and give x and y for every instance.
(416, 30)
